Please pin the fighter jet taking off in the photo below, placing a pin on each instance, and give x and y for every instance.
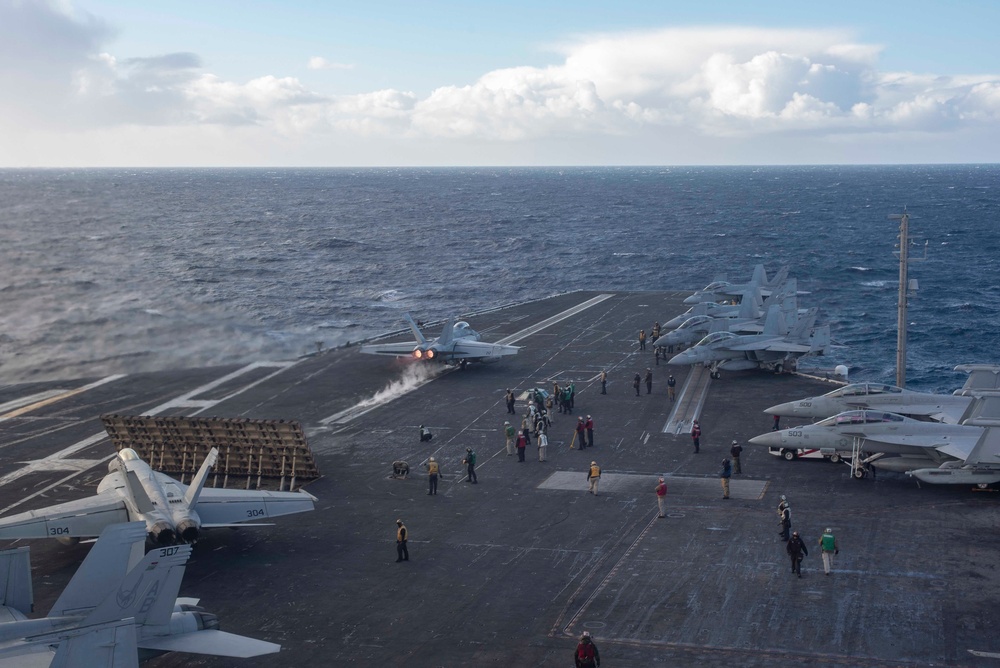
(171, 510)
(457, 344)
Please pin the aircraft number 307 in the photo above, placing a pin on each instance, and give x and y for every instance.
(58, 531)
(167, 551)
(255, 512)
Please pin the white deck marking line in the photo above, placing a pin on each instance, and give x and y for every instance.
(51, 462)
(558, 317)
(58, 397)
(347, 415)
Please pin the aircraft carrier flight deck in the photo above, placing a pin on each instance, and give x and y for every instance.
(511, 571)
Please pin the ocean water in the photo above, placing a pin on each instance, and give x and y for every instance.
(127, 270)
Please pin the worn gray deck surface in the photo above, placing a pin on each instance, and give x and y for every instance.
(510, 571)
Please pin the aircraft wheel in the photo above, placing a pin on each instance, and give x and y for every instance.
(859, 473)
(983, 485)
(835, 458)
(789, 455)
(778, 368)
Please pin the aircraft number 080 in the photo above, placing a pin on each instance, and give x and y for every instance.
(255, 512)
(58, 531)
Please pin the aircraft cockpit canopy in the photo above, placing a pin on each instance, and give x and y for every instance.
(859, 417)
(694, 321)
(864, 389)
(715, 337)
(715, 285)
(128, 455)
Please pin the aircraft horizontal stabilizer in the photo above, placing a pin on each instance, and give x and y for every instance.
(218, 643)
(15, 580)
(219, 506)
(83, 518)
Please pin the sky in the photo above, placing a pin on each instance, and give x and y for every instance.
(312, 83)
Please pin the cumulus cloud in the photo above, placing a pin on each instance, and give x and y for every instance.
(321, 63)
(707, 81)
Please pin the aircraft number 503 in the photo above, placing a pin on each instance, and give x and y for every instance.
(794, 432)
(58, 531)
(255, 512)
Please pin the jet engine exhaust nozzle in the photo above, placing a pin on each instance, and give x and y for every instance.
(188, 531)
(163, 534)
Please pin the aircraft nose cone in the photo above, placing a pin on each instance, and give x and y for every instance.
(781, 409)
(693, 299)
(681, 359)
(771, 439)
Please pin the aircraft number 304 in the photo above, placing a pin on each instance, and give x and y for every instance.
(255, 512)
(58, 531)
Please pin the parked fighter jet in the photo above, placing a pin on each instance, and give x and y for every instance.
(876, 396)
(774, 348)
(171, 510)
(119, 605)
(457, 344)
(971, 451)
(717, 290)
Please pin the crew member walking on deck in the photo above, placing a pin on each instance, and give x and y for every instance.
(649, 380)
(735, 453)
(635, 383)
(432, 476)
(696, 435)
(509, 432)
(724, 475)
(586, 654)
(470, 466)
(642, 339)
(828, 543)
(589, 424)
(510, 401)
(594, 477)
(402, 554)
(661, 497)
(671, 387)
(796, 550)
(581, 433)
(604, 382)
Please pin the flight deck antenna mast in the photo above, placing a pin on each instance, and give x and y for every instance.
(905, 288)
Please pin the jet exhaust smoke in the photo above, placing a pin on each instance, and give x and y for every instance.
(414, 375)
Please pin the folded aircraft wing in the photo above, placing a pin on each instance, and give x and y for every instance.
(83, 518)
(395, 349)
(212, 642)
(958, 443)
(225, 507)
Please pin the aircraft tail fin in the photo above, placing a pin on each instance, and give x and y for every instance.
(774, 324)
(778, 278)
(800, 332)
(759, 275)
(416, 330)
(102, 570)
(447, 332)
(15, 580)
(820, 340)
(194, 490)
(750, 304)
(148, 591)
(110, 645)
(987, 449)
